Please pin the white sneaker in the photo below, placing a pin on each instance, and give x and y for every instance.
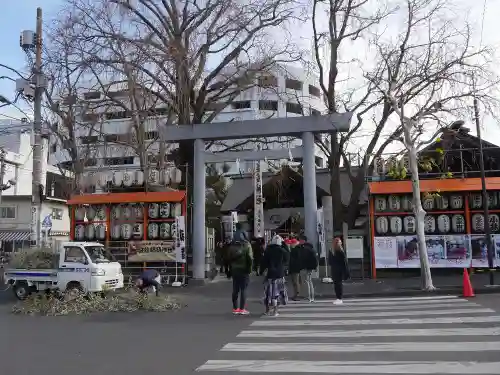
(338, 302)
(311, 300)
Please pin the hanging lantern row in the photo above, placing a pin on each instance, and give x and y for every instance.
(478, 223)
(476, 200)
(168, 177)
(429, 202)
(163, 231)
(432, 224)
(129, 211)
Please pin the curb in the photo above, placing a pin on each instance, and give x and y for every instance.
(411, 293)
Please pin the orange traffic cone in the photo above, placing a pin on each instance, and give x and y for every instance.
(467, 286)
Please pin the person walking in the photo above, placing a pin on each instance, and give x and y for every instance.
(339, 269)
(239, 268)
(273, 263)
(309, 263)
(294, 268)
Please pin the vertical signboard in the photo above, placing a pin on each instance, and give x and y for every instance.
(258, 222)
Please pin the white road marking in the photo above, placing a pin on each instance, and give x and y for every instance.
(436, 320)
(455, 346)
(395, 299)
(346, 307)
(380, 303)
(412, 313)
(354, 367)
(428, 332)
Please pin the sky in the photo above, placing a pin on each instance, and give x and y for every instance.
(19, 15)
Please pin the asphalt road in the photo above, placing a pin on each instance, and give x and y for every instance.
(193, 338)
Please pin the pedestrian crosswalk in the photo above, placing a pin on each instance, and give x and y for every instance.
(420, 335)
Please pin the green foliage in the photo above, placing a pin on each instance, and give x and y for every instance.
(43, 258)
(126, 301)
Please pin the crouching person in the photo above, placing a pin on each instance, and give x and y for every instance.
(149, 278)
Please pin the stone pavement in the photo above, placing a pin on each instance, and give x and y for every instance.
(416, 335)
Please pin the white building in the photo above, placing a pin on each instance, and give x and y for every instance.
(285, 92)
(15, 204)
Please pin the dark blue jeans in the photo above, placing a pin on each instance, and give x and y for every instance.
(240, 283)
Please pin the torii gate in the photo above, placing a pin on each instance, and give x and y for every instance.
(304, 127)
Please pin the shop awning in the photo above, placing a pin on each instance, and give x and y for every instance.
(14, 236)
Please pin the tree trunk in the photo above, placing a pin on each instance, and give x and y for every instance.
(418, 210)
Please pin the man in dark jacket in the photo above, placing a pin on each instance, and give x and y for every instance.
(294, 268)
(309, 263)
(149, 278)
(274, 262)
(258, 251)
(239, 260)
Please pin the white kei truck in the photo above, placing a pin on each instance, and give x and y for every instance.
(79, 267)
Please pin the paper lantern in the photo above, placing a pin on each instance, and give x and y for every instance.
(138, 231)
(100, 212)
(100, 232)
(382, 225)
(175, 176)
(128, 178)
(394, 203)
(429, 224)
(494, 222)
(138, 211)
(456, 202)
(379, 166)
(90, 212)
(80, 232)
(476, 201)
(458, 223)
(478, 222)
(89, 232)
(396, 224)
(428, 203)
(110, 177)
(154, 177)
(176, 210)
(126, 211)
(442, 202)
(116, 232)
(380, 203)
(165, 231)
(492, 199)
(164, 210)
(444, 223)
(92, 180)
(115, 212)
(118, 178)
(102, 180)
(153, 230)
(80, 213)
(139, 178)
(407, 203)
(126, 231)
(153, 210)
(165, 177)
(409, 224)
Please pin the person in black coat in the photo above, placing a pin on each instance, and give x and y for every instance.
(338, 266)
(274, 261)
(309, 263)
(258, 247)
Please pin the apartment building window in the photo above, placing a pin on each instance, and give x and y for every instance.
(267, 81)
(67, 144)
(8, 212)
(268, 105)
(90, 117)
(53, 148)
(314, 91)
(117, 115)
(242, 104)
(293, 84)
(92, 95)
(90, 162)
(57, 213)
(151, 135)
(217, 86)
(117, 94)
(294, 108)
(315, 112)
(88, 140)
(214, 106)
(129, 160)
(114, 138)
(159, 111)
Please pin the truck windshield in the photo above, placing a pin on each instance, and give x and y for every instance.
(99, 254)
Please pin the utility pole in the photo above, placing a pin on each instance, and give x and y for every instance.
(487, 230)
(36, 206)
(2, 171)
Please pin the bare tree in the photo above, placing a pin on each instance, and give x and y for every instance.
(428, 80)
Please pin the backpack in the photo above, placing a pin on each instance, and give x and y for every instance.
(236, 251)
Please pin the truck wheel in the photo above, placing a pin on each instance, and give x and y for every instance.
(73, 291)
(21, 290)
